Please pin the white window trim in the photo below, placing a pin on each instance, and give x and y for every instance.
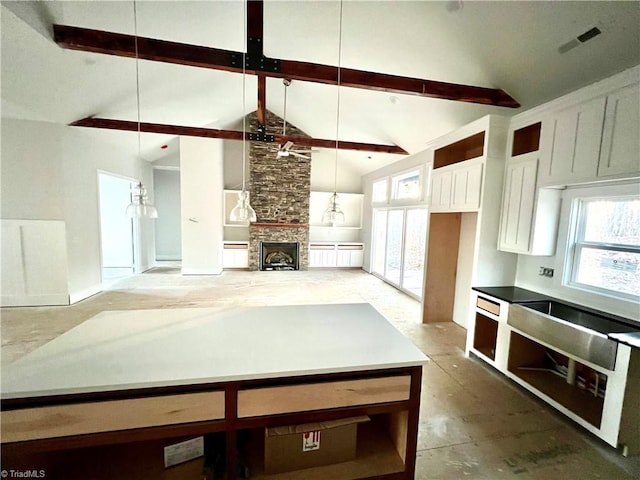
(575, 247)
(592, 296)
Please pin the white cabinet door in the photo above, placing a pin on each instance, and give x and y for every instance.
(357, 258)
(441, 190)
(570, 144)
(456, 188)
(517, 204)
(467, 185)
(322, 255)
(529, 222)
(344, 258)
(620, 152)
(235, 257)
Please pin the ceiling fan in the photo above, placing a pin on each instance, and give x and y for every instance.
(286, 150)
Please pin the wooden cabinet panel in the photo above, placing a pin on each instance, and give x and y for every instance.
(317, 396)
(620, 152)
(106, 416)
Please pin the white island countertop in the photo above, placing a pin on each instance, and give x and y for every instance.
(133, 349)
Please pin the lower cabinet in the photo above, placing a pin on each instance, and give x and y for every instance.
(344, 255)
(602, 400)
(235, 255)
(355, 425)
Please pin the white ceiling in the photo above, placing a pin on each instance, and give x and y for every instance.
(507, 45)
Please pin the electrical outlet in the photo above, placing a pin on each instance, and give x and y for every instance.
(545, 272)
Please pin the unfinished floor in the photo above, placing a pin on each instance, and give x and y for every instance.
(473, 424)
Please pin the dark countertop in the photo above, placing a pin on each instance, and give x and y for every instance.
(617, 328)
(512, 294)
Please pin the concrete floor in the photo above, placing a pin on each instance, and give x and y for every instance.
(474, 423)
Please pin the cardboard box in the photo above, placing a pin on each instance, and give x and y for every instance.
(310, 445)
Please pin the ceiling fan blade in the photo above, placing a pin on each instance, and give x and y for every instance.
(287, 145)
(299, 155)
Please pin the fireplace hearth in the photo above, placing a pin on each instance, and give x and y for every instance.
(279, 256)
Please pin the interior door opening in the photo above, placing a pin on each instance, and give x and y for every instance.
(117, 236)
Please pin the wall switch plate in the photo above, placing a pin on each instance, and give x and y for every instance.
(183, 451)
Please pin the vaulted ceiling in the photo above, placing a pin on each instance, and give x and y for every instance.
(512, 46)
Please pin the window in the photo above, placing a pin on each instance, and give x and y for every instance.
(606, 248)
(379, 193)
(406, 186)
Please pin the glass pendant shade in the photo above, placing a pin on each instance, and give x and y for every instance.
(333, 215)
(243, 212)
(140, 206)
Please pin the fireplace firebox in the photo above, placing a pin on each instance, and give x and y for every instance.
(279, 256)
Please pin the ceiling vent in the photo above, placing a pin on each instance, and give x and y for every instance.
(579, 40)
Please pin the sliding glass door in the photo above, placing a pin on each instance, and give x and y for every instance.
(399, 239)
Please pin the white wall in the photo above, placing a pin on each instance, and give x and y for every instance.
(49, 172)
(84, 153)
(166, 184)
(202, 205)
(32, 171)
(528, 265)
(420, 159)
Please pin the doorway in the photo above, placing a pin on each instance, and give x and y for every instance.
(117, 237)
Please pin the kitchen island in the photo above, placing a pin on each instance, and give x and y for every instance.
(137, 381)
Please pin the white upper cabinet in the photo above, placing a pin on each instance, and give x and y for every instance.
(457, 188)
(518, 203)
(466, 188)
(529, 219)
(570, 144)
(441, 190)
(620, 151)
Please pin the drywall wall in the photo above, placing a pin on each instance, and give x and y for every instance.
(202, 201)
(166, 186)
(31, 170)
(84, 153)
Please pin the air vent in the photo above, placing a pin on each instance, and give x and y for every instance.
(579, 40)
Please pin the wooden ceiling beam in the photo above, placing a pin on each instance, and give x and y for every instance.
(132, 126)
(261, 112)
(97, 41)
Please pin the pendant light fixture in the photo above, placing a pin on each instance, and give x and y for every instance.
(140, 207)
(333, 215)
(243, 213)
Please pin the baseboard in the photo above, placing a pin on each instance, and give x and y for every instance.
(75, 297)
(34, 300)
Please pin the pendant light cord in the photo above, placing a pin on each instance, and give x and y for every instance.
(135, 36)
(335, 173)
(244, 133)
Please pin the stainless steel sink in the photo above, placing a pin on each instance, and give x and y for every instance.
(574, 331)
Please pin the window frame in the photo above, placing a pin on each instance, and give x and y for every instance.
(577, 243)
(394, 179)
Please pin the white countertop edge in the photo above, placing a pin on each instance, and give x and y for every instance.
(106, 389)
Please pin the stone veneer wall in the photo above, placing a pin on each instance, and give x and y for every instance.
(280, 188)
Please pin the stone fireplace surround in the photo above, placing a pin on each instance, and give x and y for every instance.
(280, 188)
